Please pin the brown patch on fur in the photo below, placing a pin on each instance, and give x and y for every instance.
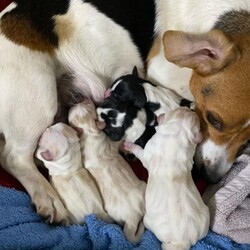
(63, 28)
(155, 50)
(19, 29)
(230, 100)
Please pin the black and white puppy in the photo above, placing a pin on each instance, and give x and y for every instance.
(131, 106)
(133, 89)
(124, 120)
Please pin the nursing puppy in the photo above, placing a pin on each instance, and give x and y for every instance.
(132, 88)
(123, 120)
(175, 211)
(122, 192)
(41, 41)
(213, 46)
(59, 149)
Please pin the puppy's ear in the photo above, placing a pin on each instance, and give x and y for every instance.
(47, 155)
(79, 131)
(197, 138)
(160, 118)
(135, 71)
(204, 53)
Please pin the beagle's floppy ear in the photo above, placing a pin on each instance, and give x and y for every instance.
(204, 53)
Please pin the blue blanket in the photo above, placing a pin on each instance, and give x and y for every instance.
(22, 228)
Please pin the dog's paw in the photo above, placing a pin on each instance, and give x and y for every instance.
(49, 206)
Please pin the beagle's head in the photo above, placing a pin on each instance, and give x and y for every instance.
(220, 85)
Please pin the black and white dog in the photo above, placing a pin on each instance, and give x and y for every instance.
(124, 120)
(131, 107)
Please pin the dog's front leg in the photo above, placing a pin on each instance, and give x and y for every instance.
(17, 159)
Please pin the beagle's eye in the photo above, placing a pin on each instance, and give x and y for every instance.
(214, 120)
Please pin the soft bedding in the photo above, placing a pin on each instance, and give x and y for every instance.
(22, 228)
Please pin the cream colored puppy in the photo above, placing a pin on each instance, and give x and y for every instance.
(59, 149)
(175, 211)
(122, 191)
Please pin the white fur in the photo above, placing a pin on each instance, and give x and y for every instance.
(167, 99)
(175, 211)
(214, 156)
(98, 50)
(70, 179)
(28, 105)
(94, 50)
(122, 191)
(138, 127)
(188, 16)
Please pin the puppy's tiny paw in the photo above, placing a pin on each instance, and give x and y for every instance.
(128, 145)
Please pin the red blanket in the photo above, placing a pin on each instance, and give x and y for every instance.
(4, 3)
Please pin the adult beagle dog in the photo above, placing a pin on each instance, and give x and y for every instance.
(207, 44)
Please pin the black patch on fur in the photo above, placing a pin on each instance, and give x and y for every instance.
(131, 111)
(149, 131)
(116, 133)
(40, 13)
(130, 89)
(153, 106)
(146, 136)
(136, 16)
(234, 22)
(185, 103)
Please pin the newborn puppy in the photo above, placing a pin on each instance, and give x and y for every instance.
(175, 211)
(132, 88)
(59, 149)
(122, 192)
(126, 121)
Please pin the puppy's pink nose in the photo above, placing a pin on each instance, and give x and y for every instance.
(107, 93)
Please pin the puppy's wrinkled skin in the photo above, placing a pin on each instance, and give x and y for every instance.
(206, 45)
(122, 191)
(175, 211)
(59, 149)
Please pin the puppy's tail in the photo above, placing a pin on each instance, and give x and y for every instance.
(133, 232)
